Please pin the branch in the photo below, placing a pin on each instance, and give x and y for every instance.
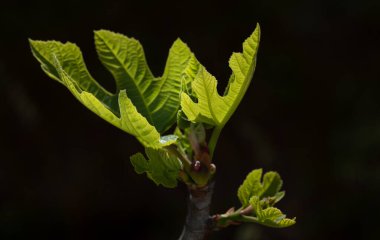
(196, 225)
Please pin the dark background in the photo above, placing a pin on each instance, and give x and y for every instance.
(312, 114)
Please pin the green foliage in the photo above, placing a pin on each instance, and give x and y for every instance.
(211, 108)
(156, 98)
(144, 106)
(71, 60)
(160, 167)
(147, 106)
(250, 187)
(261, 196)
(271, 216)
(253, 186)
(130, 120)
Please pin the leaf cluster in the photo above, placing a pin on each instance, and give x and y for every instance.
(258, 194)
(147, 106)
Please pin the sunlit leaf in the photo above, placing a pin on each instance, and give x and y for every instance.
(271, 217)
(157, 99)
(143, 105)
(160, 167)
(272, 183)
(130, 120)
(212, 108)
(269, 187)
(250, 187)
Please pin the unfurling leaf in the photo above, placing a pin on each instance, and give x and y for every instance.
(272, 184)
(260, 197)
(268, 188)
(250, 187)
(139, 162)
(160, 167)
(271, 217)
(212, 108)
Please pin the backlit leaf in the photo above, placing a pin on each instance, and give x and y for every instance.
(157, 99)
(250, 187)
(160, 167)
(271, 217)
(143, 105)
(211, 107)
(269, 187)
(130, 120)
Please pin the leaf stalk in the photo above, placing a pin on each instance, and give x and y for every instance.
(214, 139)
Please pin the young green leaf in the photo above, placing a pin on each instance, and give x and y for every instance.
(271, 217)
(130, 120)
(124, 58)
(180, 69)
(268, 188)
(160, 167)
(272, 183)
(139, 162)
(71, 60)
(157, 99)
(250, 187)
(135, 124)
(272, 200)
(211, 108)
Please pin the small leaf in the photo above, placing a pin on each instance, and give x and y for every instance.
(286, 222)
(268, 188)
(272, 200)
(250, 187)
(254, 201)
(162, 168)
(139, 163)
(212, 108)
(271, 217)
(279, 196)
(262, 196)
(271, 213)
(272, 183)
